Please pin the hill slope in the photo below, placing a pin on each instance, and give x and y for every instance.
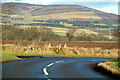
(58, 16)
(23, 9)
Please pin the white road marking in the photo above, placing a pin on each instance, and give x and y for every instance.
(59, 61)
(50, 65)
(45, 71)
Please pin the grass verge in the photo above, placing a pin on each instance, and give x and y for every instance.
(10, 52)
(12, 56)
(112, 66)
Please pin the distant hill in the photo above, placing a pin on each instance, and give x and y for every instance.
(57, 16)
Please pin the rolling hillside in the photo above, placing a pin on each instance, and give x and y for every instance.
(26, 10)
(62, 16)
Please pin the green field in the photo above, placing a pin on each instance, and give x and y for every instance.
(65, 15)
(62, 31)
(10, 56)
(112, 66)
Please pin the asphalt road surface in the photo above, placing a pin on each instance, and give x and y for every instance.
(59, 67)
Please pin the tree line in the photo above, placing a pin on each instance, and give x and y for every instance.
(42, 24)
(59, 23)
(82, 36)
(10, 32)
(78, 23)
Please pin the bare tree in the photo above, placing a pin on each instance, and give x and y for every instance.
(70, 33)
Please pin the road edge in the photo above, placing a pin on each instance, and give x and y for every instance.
(105, 70)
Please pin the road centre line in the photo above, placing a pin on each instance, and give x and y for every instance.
(50, 64)
(45, 69)
(59, 61)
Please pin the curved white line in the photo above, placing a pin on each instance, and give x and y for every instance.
(50, 65)
(45, 71)
(59, 61)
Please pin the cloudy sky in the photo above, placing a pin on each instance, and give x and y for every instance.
(110, 6)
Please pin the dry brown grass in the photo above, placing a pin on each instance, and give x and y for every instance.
(110, 66)
(35, 49)
(84, 44)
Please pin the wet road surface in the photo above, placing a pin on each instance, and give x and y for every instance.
(59, 67)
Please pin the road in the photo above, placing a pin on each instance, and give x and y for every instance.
(58, 67)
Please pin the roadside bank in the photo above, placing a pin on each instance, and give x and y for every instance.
(109, 68)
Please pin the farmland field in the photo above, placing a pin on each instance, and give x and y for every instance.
(67, 15)
(62, 31)
(85, 44)
(11, 49)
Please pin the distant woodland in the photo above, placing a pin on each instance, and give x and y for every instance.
(10, 32)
